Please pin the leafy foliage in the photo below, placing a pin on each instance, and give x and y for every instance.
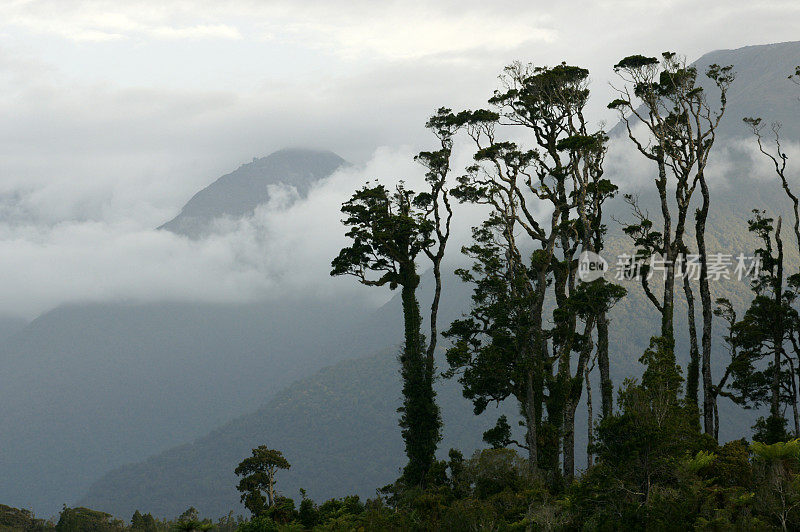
(258, 475)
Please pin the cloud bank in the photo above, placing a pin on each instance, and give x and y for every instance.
(114, 114)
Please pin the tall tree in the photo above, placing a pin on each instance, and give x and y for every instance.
(389, 230)
(437, 207)
(680, 130)
(764, 343)
(504, 347)
(258, 475)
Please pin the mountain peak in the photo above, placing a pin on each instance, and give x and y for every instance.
(238, 193)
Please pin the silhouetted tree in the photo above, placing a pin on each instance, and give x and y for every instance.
(766, 333)
(143, 523)
(680, 130)
(503, 348)
(85, 520)
(258, 475)
(389, 230)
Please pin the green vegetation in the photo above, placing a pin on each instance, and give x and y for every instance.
(504, 348)
(85, 520)
(12, 519)
(258, 474)
(641, 481)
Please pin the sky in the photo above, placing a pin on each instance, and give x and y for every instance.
(113, 114)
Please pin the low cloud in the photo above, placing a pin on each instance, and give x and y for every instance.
(352, 29)
(284, 248)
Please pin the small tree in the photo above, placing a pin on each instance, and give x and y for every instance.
(189, 521)
(776, 468)
(762, 368)
(640, 448)
(258, 475)
(143, 523)
(308, 512)
(82, 519)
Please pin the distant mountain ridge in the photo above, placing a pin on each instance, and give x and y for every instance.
(762, 88)
(238, 193)
(87, 388)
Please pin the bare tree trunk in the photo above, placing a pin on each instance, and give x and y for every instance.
(668, 301)
(566, 419)
(270, 487)
(531, 420)
(707, 308)
(693, 370)
(780, 168)
(569, 441)
(437, 293)
(589, 419)
(533, 391)
(778, 337)
(794, 396)
(667, 317)
(573, 397)
(606, 386)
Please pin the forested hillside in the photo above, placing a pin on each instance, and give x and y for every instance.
(341, 428)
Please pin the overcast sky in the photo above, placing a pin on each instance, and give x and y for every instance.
(114, 113)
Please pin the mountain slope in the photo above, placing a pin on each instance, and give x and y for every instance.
(761, 88)
(85, 389)
(338, 429)
(238, 193)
